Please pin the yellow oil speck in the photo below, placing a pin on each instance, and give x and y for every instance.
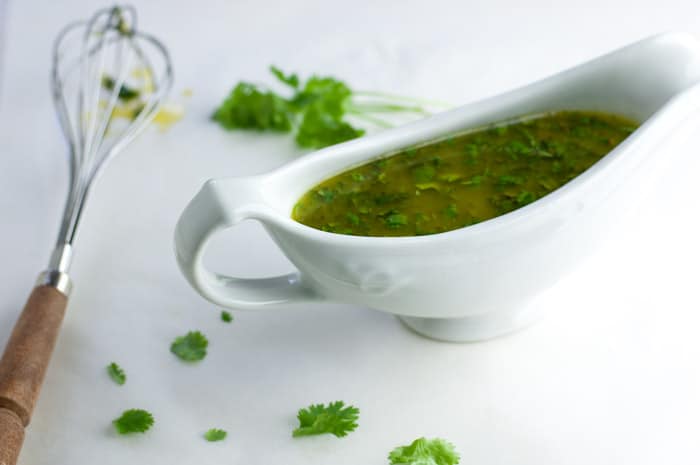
(121, 111)
(187, 92)
(144, 74)
(169, 114)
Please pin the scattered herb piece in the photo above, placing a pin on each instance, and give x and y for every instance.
(525, 197)
(326, 194)
(116, 373)
(133, 421)
(424, 451)
(509, 180)
(396, 220)
(451, 210)
(215, 434)
(334, 418)
(353, 218)
(190, 347)
(226, 317)
(316, 111)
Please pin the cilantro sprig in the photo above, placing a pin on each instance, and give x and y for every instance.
(335, 418)
(317, 111)
(133, 421)
(191, 347)
(424, 451)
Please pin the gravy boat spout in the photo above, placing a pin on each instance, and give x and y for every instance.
(479, 281)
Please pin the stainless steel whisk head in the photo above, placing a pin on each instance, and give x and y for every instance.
(108, 81)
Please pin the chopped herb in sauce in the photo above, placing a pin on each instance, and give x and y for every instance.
(462, 179)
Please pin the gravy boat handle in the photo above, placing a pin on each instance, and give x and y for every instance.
(222, 204)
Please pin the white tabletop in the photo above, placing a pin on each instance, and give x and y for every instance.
(611, 376)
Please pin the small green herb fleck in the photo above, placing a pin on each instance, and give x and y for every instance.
(215, 434)
(475, 180)
(326, 194)
(451, 210)
(525, 197)
(116, 373)
(353, 218)
(396, 220)
(518, 147)
(509, 180)
(226, 317)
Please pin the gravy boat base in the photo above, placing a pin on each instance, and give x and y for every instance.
(475, 328)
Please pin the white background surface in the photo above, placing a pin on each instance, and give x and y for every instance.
(611, 376)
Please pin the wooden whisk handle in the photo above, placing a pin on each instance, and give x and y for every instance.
(24, 363)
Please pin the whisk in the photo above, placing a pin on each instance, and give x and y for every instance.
(108, 81)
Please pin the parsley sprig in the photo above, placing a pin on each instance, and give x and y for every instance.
(318, 111)
(335, 418)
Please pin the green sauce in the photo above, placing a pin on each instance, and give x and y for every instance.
(463, 179)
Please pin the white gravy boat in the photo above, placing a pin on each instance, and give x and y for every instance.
(476, 282)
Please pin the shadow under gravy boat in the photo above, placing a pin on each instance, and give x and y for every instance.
(476, 282)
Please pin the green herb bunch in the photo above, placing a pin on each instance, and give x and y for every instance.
(317, 111)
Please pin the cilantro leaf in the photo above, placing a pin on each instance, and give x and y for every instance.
(191, 347)
(226, 317)
(424, 451)
(248, 107)
(133, 421)
(335, 419)
(292, 80)
(319, 129)
(326, 94)
(116, 373)
(215, 434)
